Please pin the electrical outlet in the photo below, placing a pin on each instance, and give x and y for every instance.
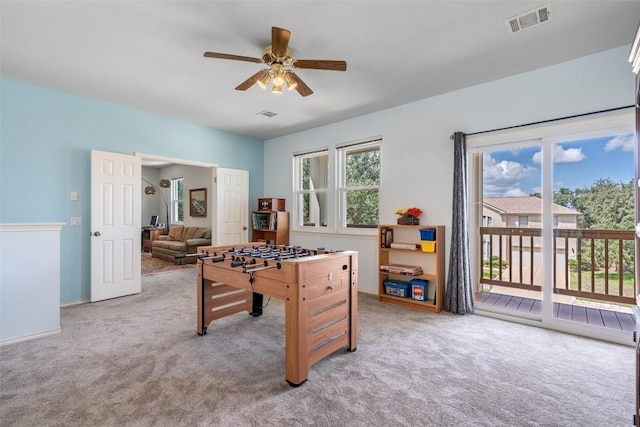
(74, 195)
(76, 221)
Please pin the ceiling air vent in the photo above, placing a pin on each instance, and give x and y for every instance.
(266, 113)
(529, 19)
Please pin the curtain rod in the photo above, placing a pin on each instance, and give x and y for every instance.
(549, 120)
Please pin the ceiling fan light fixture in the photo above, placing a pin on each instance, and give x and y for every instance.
(277, 56)
(291, 83)
(278, 80)
(264, 80)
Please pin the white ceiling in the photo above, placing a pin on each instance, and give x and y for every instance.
(148, 55)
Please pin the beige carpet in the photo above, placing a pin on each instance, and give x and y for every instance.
(156, 265)
(137, 361)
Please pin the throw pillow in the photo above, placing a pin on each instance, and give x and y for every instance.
(176, 233)
(189, 233)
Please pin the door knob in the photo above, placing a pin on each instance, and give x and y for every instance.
(96, 233)
(244, 228)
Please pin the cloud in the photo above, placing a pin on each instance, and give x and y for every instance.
(515, 192)
(620, 142)
(503, 178)
(560, 155)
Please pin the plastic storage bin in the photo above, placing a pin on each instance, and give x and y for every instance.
(428, 246)
(397, 288)
(419, 289)
(427, 234)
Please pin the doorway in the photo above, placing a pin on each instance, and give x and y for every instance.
(125, 199)
(227, 197)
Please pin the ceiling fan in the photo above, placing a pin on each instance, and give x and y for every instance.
(278, 57)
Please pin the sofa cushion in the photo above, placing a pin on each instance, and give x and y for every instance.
(176, 233)
(190, 233)
(170, 244)
(197, 242)
(176, 246)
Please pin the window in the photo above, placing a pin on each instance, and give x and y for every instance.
(523, 221)
(359, 191)
(177, 200)
(486, 221)
(338, 193)
(312, 171)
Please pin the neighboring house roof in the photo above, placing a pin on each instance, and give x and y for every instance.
(530, 205)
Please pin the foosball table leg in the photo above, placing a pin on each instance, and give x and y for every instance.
(296, 385)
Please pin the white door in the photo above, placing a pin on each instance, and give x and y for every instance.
(232, 206)
(115, 225)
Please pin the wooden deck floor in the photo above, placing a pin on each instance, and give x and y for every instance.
(591, 316)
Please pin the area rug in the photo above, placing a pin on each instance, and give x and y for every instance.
(156, 265)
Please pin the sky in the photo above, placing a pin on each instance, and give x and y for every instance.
(577, 164)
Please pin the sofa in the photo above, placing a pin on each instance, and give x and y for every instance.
(180, 240)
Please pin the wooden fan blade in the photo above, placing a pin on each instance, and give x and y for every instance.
(279, 41)
(301, 87)
(320, 64)
(251, 80)
(234, 57)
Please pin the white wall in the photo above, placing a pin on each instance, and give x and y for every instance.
(29, 284)
(194, 177)
(417, 153)
(152, 204)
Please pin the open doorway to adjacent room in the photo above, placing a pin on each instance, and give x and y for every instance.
(165, 205)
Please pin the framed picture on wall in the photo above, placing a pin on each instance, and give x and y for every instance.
(198, 202)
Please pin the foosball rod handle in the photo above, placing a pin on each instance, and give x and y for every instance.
(198, 255)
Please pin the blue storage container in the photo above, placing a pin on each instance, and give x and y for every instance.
(397, 288)
(419, 289)
(427, 234)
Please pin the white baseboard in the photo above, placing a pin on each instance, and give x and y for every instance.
(29, 337)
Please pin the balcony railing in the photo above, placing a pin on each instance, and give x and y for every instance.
(590, 264)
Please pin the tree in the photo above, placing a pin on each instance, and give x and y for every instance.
(362, 171)
(605, 205)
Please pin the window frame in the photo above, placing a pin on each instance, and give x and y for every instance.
(523, 221)
(335, 202)
(342, 151)
(299, 191)
(176, 200)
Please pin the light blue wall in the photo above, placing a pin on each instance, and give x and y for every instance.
(46, 138)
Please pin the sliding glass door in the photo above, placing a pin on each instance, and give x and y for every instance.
(510, 244)
(553, 224)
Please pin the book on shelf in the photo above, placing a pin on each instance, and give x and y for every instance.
(386, 237)
(409, 246)
(264, 221)
(411, 270)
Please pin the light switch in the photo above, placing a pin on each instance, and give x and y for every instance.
(76, 221)
(74, 195)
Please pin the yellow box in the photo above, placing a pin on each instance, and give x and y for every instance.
(428, 245)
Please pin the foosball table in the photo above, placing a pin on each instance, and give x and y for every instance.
(320, 291)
